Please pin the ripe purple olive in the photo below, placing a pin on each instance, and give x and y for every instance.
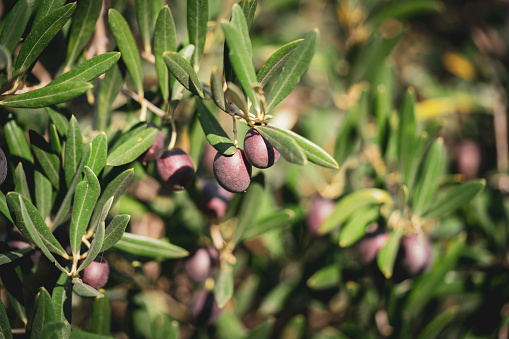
(370, 245)
(414, 256)
(259, 152)
(154, 150)
(233, 172)
(203, 308)
(96, 274)
(3, 166)
(468, 159)
(214, 199)
(201, 263)
(176, 169)
(320, 208)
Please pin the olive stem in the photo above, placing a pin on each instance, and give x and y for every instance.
(235, 132)
(147, 103)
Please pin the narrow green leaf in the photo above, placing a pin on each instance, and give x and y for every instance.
(108, 90)
(15, 23)
(12, 256)
(250, 209)
(48, 95)
(78, 334)
(249, 9)
(263, 330)
(295, 328)
(223, 287)
(183, 72)
(43, 194)
(416, 161)
(41, 35)
(101, 316)
(128, 133)
(115, 230)
(235, 95)
(274, 221)
(5, 62)
(31, 224)
(88, 70)
(295, 67)
(86, 195)
(149, 247)
(43, 313)
(97, 243)
(21, 182)
(215, 134)
(435, 327)
(165, 39)
(97, 159)
(84, 290)
(454, 198)
(4, 208)
(355, 228)
(387, 255)
(406, 134)
(60, 120)
(127, 46)
(145, 17)
(402, 10)
(62, 299)
(16, 141)
(431, 171)
(73, 150)
(425, 287)
(56, 330)
(114, 189)
(313, 152)
(276, 62)
(54, 139)
(82, 28)
(275, 300)
(245, 295)
(216, 86)
(349, 204)
(325, 278)
(49, 161)
(46, 7)
(133, 147)
(66, 203)
(177, 89)
(240, 52)
(197, 20)
(5, 326)
(285, 144)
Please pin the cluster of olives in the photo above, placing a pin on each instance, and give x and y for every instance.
(233, 172)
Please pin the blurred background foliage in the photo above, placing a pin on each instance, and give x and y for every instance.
(289, 283)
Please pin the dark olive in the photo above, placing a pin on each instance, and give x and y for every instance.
(259, 152)
(233, 172)
(319, 209)
(97, 273)
(203, 308)
(176, 169)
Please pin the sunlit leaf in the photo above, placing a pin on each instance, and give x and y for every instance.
(197, 20)
(149, 247)
(183, 72)
(89, 70)
(276, 62)
(285, 144)
(46, 7)
(16, 141)
(49, 161)
(98, 154)
(295, 67)
(127, 46)
(43, 194)
(240, 52)
(133, 147)
(114, 189)
(145, 18)
(48, 95)
(20, 179)
(74, 147)
(115, 230)
(84, 290)
(41, 35)
(274, 221)
(355, 228)
(454, 198)
(165, 39)
(86, 195)
(326, 277)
